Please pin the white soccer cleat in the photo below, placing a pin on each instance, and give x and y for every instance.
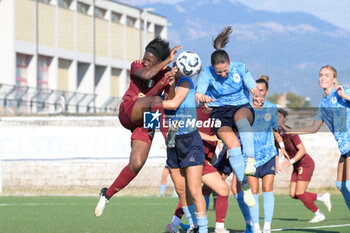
(257, 230)
(267, 231)
(327, 201)
(250, 169)
(171, 229)
(221, 230)
(248, 196)
(101, 203)
(317, 218)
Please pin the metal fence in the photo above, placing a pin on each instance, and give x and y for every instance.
(15, 100)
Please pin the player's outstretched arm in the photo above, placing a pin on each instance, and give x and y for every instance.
(203, 98)
(316, 125)
(180, 95)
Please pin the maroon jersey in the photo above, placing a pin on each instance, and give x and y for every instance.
(209, 146)
(290, 142)
(151, 87)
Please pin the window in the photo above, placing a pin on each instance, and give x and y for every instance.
(22, 62)
(116, 17)
(130, 21)
(64, 3)
(142, 24)
(43, 72)
(100, 13)
(44, 1)
(83, 8)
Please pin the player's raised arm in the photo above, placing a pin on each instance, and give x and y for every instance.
(155, 59)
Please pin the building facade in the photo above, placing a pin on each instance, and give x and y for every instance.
(83, 46)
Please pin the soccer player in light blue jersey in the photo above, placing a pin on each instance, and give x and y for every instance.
(224, 87)
(334, 110)
(265, 131)
(186, 159)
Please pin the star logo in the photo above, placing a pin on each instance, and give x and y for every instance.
(151, 120)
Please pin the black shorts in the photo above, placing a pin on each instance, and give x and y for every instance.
(226, 115)
(222, 164)
(347, 154)
(188, 151)
(266, 169)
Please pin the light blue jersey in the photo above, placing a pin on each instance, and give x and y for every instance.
(186, 113)
(266, 119)
(226, 91)
(335, 112)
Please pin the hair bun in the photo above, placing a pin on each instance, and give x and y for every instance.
(264, 77)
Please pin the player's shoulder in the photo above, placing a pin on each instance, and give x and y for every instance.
(268, 104)
(136, 64)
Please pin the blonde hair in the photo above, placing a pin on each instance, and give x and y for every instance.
(264, 79)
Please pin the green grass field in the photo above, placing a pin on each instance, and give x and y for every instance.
(149, 215)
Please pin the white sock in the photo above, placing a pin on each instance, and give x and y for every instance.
(220, 225)
(318, 212)
(256, 226)
(320, 197)
(267, 225)
(176, 221)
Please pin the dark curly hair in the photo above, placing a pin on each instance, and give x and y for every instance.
(159, 47)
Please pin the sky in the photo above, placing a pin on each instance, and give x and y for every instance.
(290, 48)
(332, 11)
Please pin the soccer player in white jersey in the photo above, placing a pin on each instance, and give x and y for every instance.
(223, 86)
(334, 110)
(265, 132)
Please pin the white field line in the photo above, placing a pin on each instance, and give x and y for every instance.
(313, 227)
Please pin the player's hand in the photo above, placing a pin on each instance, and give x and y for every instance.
(206, 99)
(139, 61)
(285, 163)
(173, 53)
(207, 109)
(340, 90)
(141, 95)
(283, 152)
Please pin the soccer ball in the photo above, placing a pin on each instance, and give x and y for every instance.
(189, 63)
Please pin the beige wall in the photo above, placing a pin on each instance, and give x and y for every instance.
(63, 74)
(133, 44)
(115, 82)
(117, 44)
(46, 24)
(101, 37)
(25, 20)
(84, 32)
(65, 29)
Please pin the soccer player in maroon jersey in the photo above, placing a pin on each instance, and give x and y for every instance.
(303, 167)
(148, 79)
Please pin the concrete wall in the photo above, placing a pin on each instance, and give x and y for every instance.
(70, 155)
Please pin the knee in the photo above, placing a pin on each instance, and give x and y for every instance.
(292, 195)
(223, 190)
(196, 194)
(299, 195)
(157, 100)
(136, 165)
